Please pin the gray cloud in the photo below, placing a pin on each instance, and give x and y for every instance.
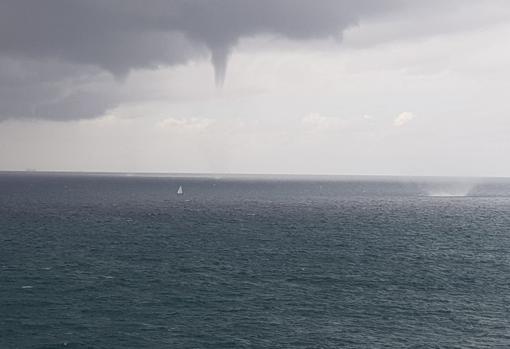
(62, 44)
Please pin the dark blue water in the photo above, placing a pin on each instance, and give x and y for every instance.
(123, 262)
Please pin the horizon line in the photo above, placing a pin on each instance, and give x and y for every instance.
(238, 174)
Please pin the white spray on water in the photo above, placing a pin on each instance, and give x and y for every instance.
(451, 188)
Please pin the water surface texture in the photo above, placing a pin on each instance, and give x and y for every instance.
(103, 261)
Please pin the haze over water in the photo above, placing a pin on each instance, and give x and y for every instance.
(123, 262)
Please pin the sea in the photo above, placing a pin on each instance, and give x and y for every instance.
(122, 261)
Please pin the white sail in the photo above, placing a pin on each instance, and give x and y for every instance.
(179, 191)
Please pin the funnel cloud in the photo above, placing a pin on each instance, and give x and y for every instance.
(219, 59)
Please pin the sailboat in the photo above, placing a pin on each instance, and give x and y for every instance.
(180, 191)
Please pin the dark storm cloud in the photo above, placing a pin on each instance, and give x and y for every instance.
(121, 35)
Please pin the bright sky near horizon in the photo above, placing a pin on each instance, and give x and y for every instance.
(302, 87)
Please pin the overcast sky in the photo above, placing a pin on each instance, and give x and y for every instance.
(387, 87)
